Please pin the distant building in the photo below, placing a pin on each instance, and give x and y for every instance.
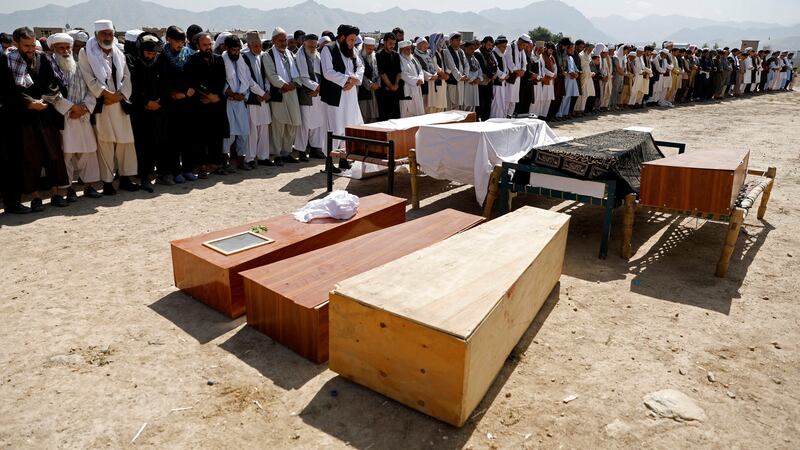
(467, 36)
(158, 31)
(745, 44)
(43, 32)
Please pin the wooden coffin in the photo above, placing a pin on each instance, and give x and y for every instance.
(404, 140)
(288, 301)
(701, 181)
(433, 329)
(213, 278)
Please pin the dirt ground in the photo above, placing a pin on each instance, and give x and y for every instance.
(97, 343)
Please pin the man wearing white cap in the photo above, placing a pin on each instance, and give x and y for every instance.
(79, 41)
(516, 61)
(370, 83)
(430, 71)
(258, 103)
(281, 69)
(130, 41)
(342, 71)
(103, 66)
(413, 78)
(455, 64)
(311, 133)
(79, 142)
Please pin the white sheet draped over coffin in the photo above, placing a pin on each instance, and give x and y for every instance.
(467, 152)
(416, 121)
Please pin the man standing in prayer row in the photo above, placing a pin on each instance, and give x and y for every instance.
(237, 90)
(257, 104)
(371, 82)
(488, 64)
(499, 103)
(80, 37)
(283, 76)
(79, 141)
(150, 89)
(10, 147)
(343, 72)
(40, 123)
(426, 62)
(455, 66)
(516, 61)
(205, 72)
(311, 134)
(413, 77)
(388, 61)
(182, 153)
(103, 66)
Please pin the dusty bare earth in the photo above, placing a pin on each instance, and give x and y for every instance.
(96, 341)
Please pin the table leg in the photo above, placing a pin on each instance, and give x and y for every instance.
(762, 208)
(494, 188)
(737, 218)
(413, 169)
(627, 225)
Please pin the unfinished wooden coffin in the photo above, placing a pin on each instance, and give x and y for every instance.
(433, 329)
(404, 139)
(213, 278)
(704, 180)
(288, 300)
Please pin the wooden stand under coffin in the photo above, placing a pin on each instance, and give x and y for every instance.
(288, 300)
(433, 329)
(213, 278)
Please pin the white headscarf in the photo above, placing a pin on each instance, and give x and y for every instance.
(100, 66)
(238, 77)
(220, 39)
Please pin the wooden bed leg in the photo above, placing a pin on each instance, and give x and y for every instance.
(627, 224)
(491, 196)
(762, 208)
(412, 168)
(737, 218)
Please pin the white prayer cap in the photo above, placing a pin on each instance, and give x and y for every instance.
(38, 46)
(599, 48)
(748, 49)
(132, 35)
(59, 38)
(79, 35)
(277, 31)
(221, 39)
(640, 49)
(526, 38)
(103, 25)
(369, 41)
(324, 40)
(665, 51)
(403, 44)
(420, 40)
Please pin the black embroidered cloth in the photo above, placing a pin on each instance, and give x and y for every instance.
(613, 155)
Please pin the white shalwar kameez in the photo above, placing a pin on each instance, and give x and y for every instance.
(411, 73)
(260, 115)
(348, 112)
(312, 131)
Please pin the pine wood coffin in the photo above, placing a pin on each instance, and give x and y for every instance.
(703, 180)
(213, 278)
(288, 300)
(433, 329)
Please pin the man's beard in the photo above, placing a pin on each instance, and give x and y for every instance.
(67, 64)
(346, 50)
(206, 53)
(233, 58)
(105, 46)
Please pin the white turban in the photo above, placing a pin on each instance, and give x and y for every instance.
(277, 31)
(103, 25)
(324, 40)
(599, 48)
(369, 41)
(664, 51)
(221, 39)
(526, 38)
(38, 45)
(79, 35)
(359, 40)
(420, 40)
(59, 38)
(132, 35)
(403, 44)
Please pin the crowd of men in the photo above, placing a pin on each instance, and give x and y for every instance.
(84, 108)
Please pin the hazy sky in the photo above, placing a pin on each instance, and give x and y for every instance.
(778, 11)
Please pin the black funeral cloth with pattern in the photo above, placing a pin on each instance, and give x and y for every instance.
(613, 155)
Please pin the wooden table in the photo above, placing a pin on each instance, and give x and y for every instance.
(214, 279)
(288, 301)
(433, 329)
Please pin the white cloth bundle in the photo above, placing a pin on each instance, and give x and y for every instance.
(338, 205)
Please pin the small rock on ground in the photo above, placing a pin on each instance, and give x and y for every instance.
(674, 404)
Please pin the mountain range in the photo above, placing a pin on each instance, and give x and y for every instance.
(313, 16)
